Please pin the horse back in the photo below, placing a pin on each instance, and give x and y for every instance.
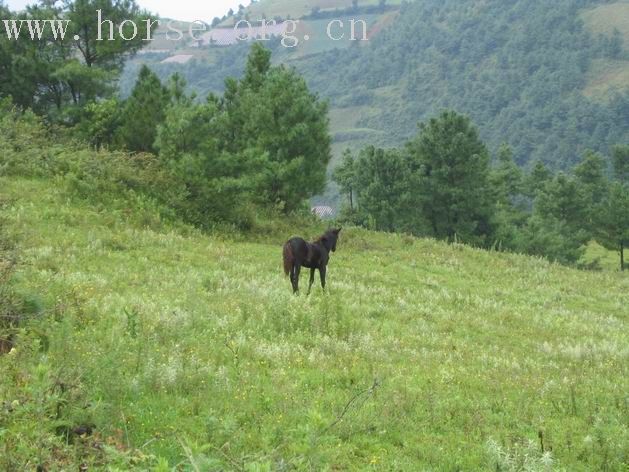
(306, 254)
(299, 248)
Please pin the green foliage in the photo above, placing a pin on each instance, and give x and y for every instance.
(612, 218)
(345, 176)
(107, 179)
(453, 192)
(620, 161)
(142, 113)
(100, 122)
(508, 183)
(537, 179)
(382, 189)
(265, 142)
(107, 52)
(54, 75)
(558, 228)
(264, 145)
(271, 111)
(441, 186)
(10, 310)
(506, 178)
(438, 185)
(591, 177)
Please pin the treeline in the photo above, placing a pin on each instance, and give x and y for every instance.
(444, 184)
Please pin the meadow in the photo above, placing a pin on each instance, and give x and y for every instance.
(153, 346)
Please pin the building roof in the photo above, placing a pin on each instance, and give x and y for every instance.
(178, 59)
(230, 36)
(323, 212)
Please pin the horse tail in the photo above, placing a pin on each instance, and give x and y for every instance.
(289, 258)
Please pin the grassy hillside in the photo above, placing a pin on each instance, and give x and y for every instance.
(605, 18)
(179, 348)
(607, 76)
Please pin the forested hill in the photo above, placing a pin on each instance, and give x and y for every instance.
(549, 78)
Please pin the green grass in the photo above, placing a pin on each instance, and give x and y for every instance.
(605, 77)
(183, 348)
(601, 257)
(604, 19)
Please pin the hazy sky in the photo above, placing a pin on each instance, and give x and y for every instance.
(178, 9)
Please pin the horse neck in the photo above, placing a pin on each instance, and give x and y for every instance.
(327, 245)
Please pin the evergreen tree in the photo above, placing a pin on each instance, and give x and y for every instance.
(272, 111)
(452, 187)
(620, 160)
(265, 142)
(613, 220)
(593, 183)
(537, 179)
(507, 181)
(345, 176)
(382, 187)
(99, 122)
(189, 128)
(143, 111)
(258, 66)
(557, 228)
(506, 177)
(107, 53)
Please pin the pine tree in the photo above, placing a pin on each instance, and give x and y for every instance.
(507, 181)
(258, 66)
(506, 177)
(537, 179)
(272, 112)
(452, 190)
(556, 228)
(106, 52)
(382, 187)
(143, 111)
(613, 220)
(100, 122)
(620, 160)
(345, 176)
(591, 177)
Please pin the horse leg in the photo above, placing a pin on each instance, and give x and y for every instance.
(295, 278)
(322, 274)
(312, 272)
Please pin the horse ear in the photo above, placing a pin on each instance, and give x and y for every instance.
(337, 231)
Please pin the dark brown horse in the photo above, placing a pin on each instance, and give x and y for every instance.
(298, 253)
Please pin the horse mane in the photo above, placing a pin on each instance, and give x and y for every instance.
(325, 235)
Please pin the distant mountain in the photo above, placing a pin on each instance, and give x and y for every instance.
(549, 78)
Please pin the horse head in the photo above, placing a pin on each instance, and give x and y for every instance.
(331, 237)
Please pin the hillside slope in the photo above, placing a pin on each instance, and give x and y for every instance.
(549, 78)
(183, 348)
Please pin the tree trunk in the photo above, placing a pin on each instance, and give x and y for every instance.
(622, 256)
(351, 200)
